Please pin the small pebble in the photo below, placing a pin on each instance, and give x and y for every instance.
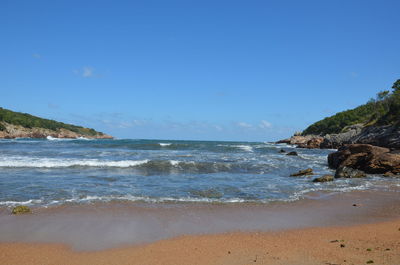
(342, 245)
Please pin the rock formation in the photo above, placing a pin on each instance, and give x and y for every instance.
(304, 172)
(324, 178)
(384, 136)
(16, 131)
(368, 158)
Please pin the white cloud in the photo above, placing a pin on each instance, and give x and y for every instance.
(244, 125)
(85, 72)
(218, 128)
(265, 124)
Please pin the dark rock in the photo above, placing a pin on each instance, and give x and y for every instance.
(389, 174)
(304, 172)
(293, 153)
(368, 158)
(347, 172)
(282, 151)
(324, 178)
(385, 136)
(284, 141)
(335, 141)
(20, 209)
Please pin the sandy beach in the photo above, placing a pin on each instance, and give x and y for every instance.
(350, 228)
(363, 244)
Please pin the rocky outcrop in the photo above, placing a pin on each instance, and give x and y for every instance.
(308, 141)
(314, 142)
(384, 136)
(324, 178)
(368, 158)
(16, 131)
(293, 153)
(21, 209)
(347, 172)
(334, 141)
(304, 172)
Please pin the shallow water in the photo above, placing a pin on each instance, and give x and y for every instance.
(51, 172)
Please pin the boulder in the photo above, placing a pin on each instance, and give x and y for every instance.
(304, 172)
(324, 178)
(282, 151)
(347, 172)
(368, 158)
(21, 209)
(293, 153)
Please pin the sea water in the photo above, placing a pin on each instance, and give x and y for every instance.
(54, 171)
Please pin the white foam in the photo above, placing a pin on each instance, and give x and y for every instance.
(174, 162)
(247, 148)
(164, 144)
(151, 199)
(57, 163)
(12, 203)
(51, 138)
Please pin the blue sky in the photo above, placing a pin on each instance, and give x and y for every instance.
(212, 70)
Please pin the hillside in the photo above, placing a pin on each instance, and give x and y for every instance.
(377, 122)
(383, 110)
(16, 124)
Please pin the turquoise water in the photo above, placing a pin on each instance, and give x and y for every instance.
(52, 172)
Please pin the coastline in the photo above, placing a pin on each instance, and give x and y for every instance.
(278, 233)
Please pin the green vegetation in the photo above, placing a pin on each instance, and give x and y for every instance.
(30, 121)
(383, 110)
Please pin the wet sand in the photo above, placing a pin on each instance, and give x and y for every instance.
(302, 232)
(377, 243)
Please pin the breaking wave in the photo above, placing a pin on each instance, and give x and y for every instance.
(57, 163)
(145, 166)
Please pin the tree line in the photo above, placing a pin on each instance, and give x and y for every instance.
(30, 121)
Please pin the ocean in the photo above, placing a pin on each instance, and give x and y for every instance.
(46, 172)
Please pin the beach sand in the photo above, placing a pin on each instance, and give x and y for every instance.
(324, 231)
(378, 243)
